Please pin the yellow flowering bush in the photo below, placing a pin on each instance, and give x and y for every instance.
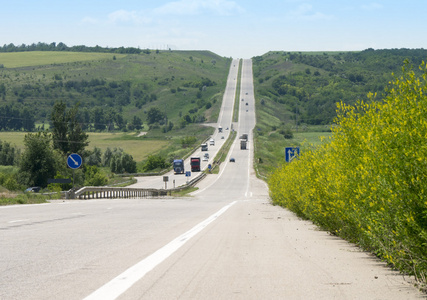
(368, 184)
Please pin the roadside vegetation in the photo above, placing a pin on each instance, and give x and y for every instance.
(124, 110)
(367, 183)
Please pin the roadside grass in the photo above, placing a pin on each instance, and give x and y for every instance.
(222, 153)
(237, 95)
(23, 198)
(184, 192)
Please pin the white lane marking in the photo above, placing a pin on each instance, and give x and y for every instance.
(17, 221)
(118, 285)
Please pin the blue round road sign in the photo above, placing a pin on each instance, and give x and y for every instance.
(74, 161)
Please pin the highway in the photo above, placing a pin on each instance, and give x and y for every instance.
(223, 241)
(224, 120)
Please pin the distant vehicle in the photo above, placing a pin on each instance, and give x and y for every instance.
(212, 142)
(34, 189)
(232, 160)
(222, 137)
(243, 99)
(246, 93)
(204, 147)
(247, 103)
(226, 128)
(195, 164)
(244, 141)
(220, 129)
(206, 157)
(178, 166)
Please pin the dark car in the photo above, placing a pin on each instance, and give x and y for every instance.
(232, 160)
(34, 189)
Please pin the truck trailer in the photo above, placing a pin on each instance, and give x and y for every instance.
(195, 164)
(244, 141)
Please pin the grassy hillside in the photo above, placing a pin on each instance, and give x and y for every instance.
(297, 93)
(113, 89)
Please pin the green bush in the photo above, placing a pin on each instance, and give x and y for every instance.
(369, 183)
(94, 177)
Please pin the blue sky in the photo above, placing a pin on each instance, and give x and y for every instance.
(231, 28)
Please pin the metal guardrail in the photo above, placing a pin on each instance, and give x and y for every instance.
(96, 192)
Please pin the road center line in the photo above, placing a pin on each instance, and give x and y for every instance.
(118, 285)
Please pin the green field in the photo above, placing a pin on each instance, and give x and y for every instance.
(38, 58)
(138, 147)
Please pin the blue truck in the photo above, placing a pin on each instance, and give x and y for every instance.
(178, 166)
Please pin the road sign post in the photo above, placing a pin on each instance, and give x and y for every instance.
(187, 175)
(74, 161)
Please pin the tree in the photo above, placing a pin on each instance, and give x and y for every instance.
(122, 162)
(93, 158)
(59, 126)
(154, 162)
(154, 115)
(77, 138)
(39, 161)
(8, 154)
(137, 122)
(67, 133)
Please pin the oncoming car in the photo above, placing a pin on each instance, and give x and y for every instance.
(34, 189)
(232, 160)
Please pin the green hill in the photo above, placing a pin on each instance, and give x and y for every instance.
(115, 91)
(297, 92)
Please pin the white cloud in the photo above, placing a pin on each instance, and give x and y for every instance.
(193, 7)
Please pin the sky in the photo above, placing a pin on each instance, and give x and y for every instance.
(229, 28)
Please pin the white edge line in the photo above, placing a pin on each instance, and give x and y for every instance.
(118, 285)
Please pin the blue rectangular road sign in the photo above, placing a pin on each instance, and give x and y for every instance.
(291, 153)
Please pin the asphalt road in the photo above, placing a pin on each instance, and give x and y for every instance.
(224, 120)
(225, 241)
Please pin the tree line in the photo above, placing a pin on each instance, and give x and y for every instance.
(45, 154)
(63, 47)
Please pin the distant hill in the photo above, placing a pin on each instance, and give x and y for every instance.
(304, 87)
(116, 89)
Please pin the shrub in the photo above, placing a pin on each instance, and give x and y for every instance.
(369, 183)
